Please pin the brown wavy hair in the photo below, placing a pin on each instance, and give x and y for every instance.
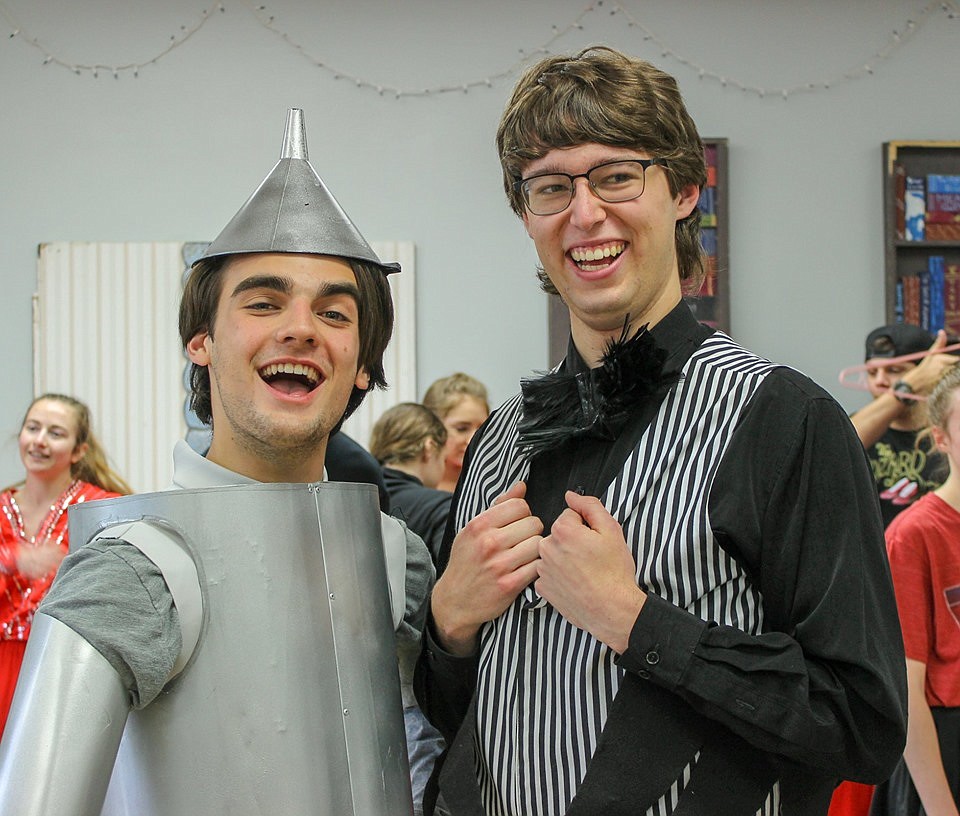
(601, 95)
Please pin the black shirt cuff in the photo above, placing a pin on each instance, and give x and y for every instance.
(662, 642)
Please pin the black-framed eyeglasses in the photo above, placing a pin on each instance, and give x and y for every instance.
(612, 181)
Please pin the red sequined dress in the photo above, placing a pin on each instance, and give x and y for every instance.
(20, 595)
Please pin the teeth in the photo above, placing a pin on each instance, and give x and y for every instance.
(291, 368)
(596, 253)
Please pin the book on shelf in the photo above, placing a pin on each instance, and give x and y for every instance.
(943, 232)
(911, 299)
(899, 193)
(943, 199)
(914, 208)
(942, 218)
(935, 278)
(951, 299)
(710, 159)
(708, 207)
(931, 297)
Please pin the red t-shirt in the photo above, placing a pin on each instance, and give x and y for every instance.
(923, 544)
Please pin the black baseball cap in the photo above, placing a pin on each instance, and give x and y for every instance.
(896, 340)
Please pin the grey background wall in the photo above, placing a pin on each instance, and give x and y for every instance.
(171, 153)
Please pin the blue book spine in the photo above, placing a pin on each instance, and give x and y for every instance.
(940, 183)
(936, 270)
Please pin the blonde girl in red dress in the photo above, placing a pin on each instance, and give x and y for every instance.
(64, 464)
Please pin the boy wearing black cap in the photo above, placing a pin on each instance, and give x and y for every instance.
(888, 427)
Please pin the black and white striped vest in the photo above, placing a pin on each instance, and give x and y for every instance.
(545, 686)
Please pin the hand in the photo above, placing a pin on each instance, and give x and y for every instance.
(38, 562)
(927, 374)
(492, 559)
(588, 574)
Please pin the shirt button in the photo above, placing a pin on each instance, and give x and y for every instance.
(652, 658)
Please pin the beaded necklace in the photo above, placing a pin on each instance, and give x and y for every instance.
(49, 522)
(18, 589)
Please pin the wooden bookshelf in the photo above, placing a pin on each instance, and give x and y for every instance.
(905, 258)
(711, 304)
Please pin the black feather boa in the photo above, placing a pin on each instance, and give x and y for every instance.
(561, 406)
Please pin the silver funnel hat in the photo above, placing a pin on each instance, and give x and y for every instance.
(293, 211)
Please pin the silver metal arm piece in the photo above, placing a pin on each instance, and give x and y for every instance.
(64, 728)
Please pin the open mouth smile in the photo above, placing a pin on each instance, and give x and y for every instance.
(293, 379)
(596, 258)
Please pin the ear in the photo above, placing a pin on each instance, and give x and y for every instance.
(686, 200)
(940, 438)
(427, 453)
(78, 453)
(363, 379)
(198, 350)
(526, 220)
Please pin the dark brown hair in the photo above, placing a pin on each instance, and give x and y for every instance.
(600, 95)
(198, 313)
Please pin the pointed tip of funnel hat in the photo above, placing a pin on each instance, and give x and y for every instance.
(295, 136)
(293, 211)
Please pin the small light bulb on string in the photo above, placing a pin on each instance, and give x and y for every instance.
(949, 8)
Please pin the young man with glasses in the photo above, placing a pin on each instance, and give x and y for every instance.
(664, 589)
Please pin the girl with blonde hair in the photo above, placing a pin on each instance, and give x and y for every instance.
(462, 404)
(64, 465)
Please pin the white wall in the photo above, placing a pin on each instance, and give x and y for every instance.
(171, 154)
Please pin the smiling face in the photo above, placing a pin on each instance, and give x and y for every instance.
(606, 260)
(48, 441)
(461, 423)
(283, 361)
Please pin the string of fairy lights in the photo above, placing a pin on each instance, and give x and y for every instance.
(270, 21)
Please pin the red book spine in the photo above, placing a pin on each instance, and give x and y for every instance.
(951, 299)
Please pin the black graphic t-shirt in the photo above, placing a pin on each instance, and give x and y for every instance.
(904, 472)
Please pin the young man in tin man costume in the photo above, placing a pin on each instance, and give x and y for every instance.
(244, 616)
